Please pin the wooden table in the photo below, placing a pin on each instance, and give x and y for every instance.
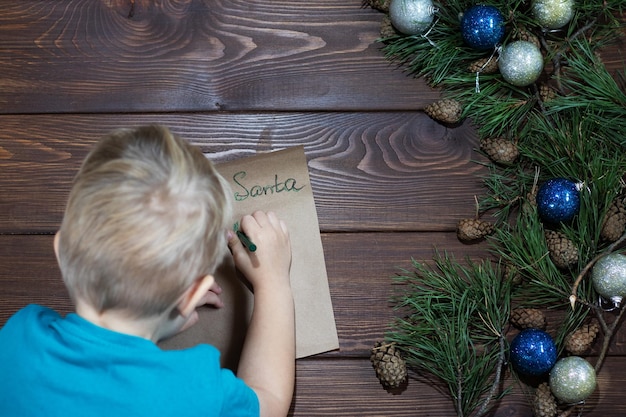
(235, 78)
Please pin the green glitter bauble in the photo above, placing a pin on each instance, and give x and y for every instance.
(520, 63)
(411, 17)
(572, 380)
(609, 277)
(553, 14)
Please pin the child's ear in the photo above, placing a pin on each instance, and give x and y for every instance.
(192, 296)
(56, 245)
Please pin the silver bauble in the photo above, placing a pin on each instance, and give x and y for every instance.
(609, 277)
(520, 63)
(553, 14)
(411, 17)
(572, 379)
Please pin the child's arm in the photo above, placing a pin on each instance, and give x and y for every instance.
(267, 362)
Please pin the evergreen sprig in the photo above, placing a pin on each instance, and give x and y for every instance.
(454, 327)
(579, 133)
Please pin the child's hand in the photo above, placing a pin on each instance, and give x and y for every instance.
(269, 265)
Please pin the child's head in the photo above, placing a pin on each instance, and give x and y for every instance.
(146, 217)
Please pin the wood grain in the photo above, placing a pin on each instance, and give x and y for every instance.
(332, 388)
(197, 55)
(369, 171)
(239, 77)
(361, 286)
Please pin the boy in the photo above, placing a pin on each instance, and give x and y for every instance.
(145, 226)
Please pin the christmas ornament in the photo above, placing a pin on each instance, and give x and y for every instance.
(562, 251)
(520, 63)
(609, 277)
(553, 14)
(533, 352)
(411, 17)
(389, 365)
(558, 200)
(544, 404)
(482, 27)
(528, 318)
(572, 380)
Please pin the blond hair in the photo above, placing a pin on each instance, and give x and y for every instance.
(146, 217)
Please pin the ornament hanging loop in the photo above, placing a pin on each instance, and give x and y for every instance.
(613, 304)
(496, 50)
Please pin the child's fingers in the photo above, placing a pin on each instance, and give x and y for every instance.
(211, 299)
(233, 241)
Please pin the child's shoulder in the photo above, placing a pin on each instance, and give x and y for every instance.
(30, 313)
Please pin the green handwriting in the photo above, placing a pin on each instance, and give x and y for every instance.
(244, 191)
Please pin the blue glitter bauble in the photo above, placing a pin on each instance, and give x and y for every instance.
(482, 27)
(558, 200)
(533, 352)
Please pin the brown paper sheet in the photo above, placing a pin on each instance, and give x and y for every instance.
(277, 181)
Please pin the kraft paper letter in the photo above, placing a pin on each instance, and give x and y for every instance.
(276, 181)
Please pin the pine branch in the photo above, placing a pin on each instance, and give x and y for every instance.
(578, 134)
(447, 306)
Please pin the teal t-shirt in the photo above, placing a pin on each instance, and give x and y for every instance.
(54, 366)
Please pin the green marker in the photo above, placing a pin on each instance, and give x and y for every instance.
(245, 240)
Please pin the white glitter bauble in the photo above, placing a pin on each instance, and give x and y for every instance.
(609, 277)
(411, 17)
(553, 14)
(572, 380)
(520, 63)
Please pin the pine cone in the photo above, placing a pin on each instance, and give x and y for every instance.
(529, 204)
(446, 110)
(563, 252)
(386, 28)
(500, 150)
(581, 339)
(544, 403)
(524, 35)
(511, 272)
(381, 5)
(389, 365)
(473, 229)
(546, 93)
(484, 66)
(528, 318)
(614, 221)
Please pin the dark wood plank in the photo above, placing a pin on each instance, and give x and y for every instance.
(338, 384)
(334, 388)
(360, 285)
(89, 56)
(369, 171)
